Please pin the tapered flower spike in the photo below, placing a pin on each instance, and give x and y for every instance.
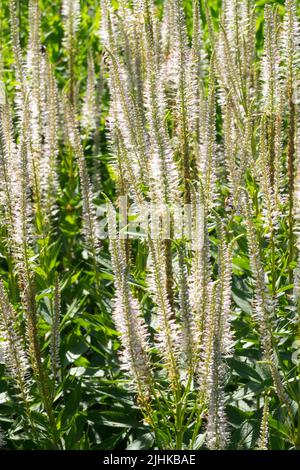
(231, 154)
(186, 313)
(179, 67)
(7, 157)
(89, 113)
(217, 435)
(100, 86)
(128, 318)
(206, 355)
(264, 427)
(33, 75)
(48, 164)
(22, 230)
(108, 29)
(271, 63)
(200, 276)
(71, 20)
(266, 168)
(225, 276)
(197, 70)
(207, 163)
(168, 337)
(34, 55)
(21, 87)
(14, 354)
(290, 49)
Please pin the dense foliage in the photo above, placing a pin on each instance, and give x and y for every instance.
(149, 224)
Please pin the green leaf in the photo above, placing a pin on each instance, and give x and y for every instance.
(145, 441)
(244, 370)
(200, 439)
(116, 419)
(72, 404)
(242, 303)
